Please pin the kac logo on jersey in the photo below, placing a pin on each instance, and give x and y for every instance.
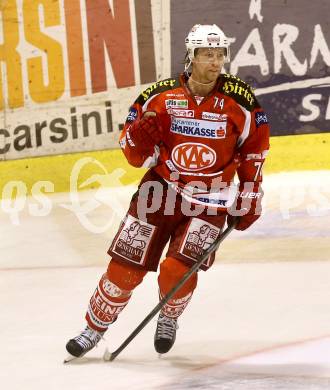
(193, 157)
(132, 115)
(261, 118)
(176, 103)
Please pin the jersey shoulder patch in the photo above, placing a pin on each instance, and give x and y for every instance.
(240, 91)
(156, 88)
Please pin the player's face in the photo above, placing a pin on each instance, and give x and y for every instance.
(208, 63)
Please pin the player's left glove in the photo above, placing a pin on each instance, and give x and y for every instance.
(247, 205)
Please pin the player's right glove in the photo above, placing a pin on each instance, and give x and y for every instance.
(145, 133)
(247, 205)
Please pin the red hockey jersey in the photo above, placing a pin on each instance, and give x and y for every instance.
(204, 143)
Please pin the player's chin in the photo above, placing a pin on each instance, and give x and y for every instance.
(213, 74)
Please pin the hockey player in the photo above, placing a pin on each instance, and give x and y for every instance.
(194, 132)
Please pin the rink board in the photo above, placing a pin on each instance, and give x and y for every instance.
(288, 153)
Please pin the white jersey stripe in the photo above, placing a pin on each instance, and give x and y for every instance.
(144, 107)
(246, 129)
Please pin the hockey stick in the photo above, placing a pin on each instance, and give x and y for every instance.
(109, 356)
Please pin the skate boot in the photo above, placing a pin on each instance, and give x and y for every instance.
(165, 333)
(83, 343)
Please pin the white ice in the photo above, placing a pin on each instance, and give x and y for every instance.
(259, 319)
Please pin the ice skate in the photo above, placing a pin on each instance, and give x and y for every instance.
(80, 345)
(165, 334)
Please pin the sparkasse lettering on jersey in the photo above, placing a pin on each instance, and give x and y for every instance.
(198, 128)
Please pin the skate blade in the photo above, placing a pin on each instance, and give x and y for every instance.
(69, 359)
(107, 355)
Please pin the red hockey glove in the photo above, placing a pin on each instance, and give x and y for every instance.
(247, 205)
(145, 133)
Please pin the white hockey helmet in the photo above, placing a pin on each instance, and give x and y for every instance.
(206, 35)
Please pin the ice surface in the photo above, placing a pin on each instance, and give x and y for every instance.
(260, 318)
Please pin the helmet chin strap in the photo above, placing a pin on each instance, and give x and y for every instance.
(187, 65)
